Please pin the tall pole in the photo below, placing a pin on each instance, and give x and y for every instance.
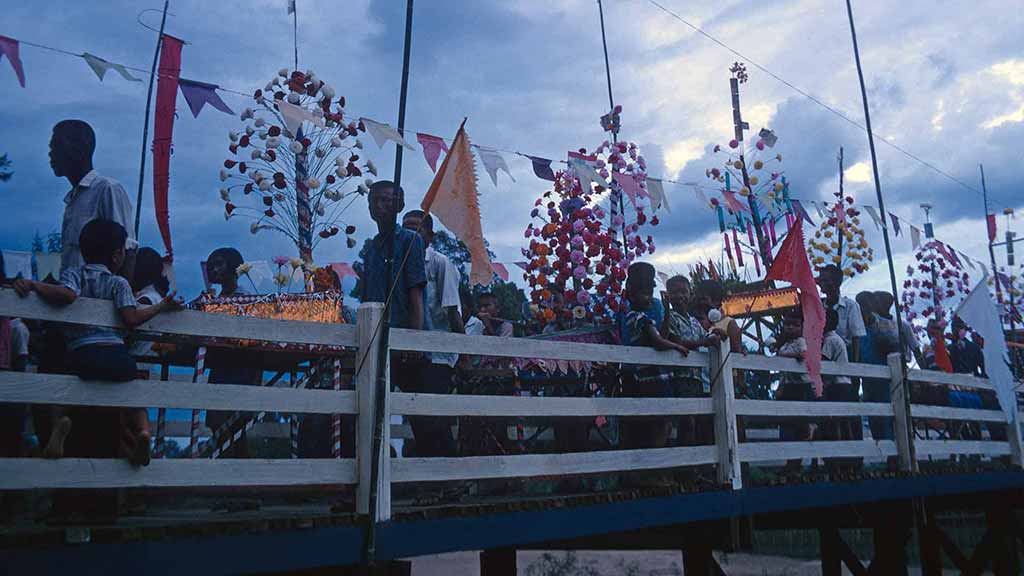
(621, 205)
(755, 215)
(379, 422)
(991, 250)
(145, 123)
(295, 33)
(881, 209)
(405, 91)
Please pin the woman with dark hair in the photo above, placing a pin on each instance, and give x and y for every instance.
(148, 280)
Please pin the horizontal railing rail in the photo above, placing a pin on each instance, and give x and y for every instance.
(726, 452)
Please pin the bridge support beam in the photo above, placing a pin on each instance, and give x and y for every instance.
(498, 562)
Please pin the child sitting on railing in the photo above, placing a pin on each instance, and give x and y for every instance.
(95, 352)
(793, 385)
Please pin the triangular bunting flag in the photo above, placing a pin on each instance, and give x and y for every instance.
(294, 116)
(100, 67)
(493, 161)
(874, 215)
(383, 133)
(734, 205)
(453, 199)
(432, 147)
(629, 185)
(542, 168)
(802, 212)
(9, 48)
(584, 170)
(915, 237)
(343, 269)
(500, 270)
(199, 93)
(656, 190)
(895, 223)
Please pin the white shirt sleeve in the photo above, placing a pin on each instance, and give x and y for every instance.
(114, 205)
(450, 287)
(854, 320)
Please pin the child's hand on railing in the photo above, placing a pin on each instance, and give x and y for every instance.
(24, 287)
(172, 301)
(682, 349)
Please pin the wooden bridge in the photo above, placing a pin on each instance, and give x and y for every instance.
(310, 530)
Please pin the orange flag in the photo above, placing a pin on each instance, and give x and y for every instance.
(452, 198)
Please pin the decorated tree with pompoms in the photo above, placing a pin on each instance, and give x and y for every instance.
(840, 240)
(295, 167)
(584, 233)
(935, 283)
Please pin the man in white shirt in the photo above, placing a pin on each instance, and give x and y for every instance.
(433, 435)
(92, 195)
(851, 323)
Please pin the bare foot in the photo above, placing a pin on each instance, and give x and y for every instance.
(55, 446)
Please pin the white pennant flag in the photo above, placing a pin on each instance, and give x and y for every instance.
(656, 190)
(915, 237)
(586, 173)
(294, 116)
(383, 133)
(493, 161)
(979, 312)
(700, 196)
(100, 67)
(817, 208)
(874, 215)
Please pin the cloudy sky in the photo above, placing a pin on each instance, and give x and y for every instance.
(945, 79)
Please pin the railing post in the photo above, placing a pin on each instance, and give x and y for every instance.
(902, 419)
(368, 318)
(723, 401)
(1014, 436)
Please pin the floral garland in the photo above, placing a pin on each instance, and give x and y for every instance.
(295, 185)
(932, 285)
(573, 251)
(840, 240)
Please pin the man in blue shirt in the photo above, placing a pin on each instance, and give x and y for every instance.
(406, 251)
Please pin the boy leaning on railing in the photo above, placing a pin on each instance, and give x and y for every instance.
(99, 353)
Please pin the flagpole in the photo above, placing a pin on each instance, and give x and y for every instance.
(991, 250)
(295, 31)
(405, 91)
(885, 227)
(145, 123)
(370, 550)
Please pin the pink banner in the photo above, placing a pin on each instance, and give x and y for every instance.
(9, 47)
(163, 132)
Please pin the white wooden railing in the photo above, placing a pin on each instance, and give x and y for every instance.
(727, 453)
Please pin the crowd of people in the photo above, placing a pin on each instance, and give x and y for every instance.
(101, 260)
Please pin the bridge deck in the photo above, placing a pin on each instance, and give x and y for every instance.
(287, 537)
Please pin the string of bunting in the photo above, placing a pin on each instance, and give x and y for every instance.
(198, 94)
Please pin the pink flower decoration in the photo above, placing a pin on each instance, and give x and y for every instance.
(760, 144)
(733, 143)
(579, 272)
(583, 297)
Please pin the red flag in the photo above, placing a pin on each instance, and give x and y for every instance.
(9, 48)
(736, 245)
(163, 131)
(991, 227)
(791, 266)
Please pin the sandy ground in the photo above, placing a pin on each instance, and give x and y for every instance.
(653, 563)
